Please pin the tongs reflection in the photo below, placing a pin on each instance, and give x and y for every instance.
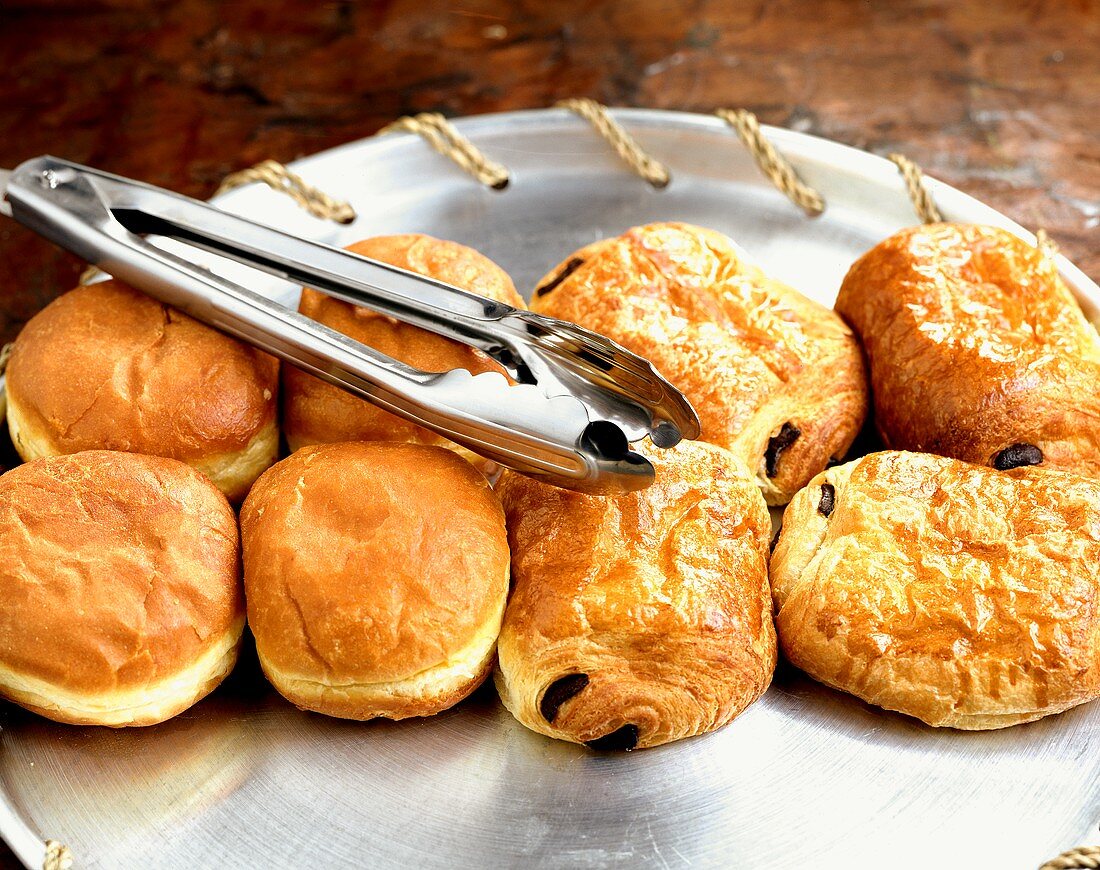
(579, 399)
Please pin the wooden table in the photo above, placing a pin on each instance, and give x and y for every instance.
(1000, 99)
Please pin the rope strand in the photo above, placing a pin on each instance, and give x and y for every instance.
(442, 135)
(774, 165)
(625, 145)
(1082, 858)
(58, 856)
(925, 206)
(279, 178)
(1046, 245)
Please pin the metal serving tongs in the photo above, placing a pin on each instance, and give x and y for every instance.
(580, 399)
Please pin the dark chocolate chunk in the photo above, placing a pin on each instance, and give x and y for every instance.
(1016, 456)
(786, 437)
(558, 692)
(567, 270)
(828, 499)
(775, 538)
(625, 738)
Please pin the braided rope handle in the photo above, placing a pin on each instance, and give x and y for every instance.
(919, 195)
(279, 178)
(1046, 245)
(442, 135)
(774, 165)
(625, 145)
(1082, 858)
(58, 856)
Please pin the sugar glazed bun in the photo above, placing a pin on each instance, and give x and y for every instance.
(775, 377)
(120, 599)
(639, 619)
(105, 366)
(977, 349)
(315, 412)
(376, 576)
(961, 595)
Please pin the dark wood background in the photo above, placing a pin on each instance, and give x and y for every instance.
(1001, 99)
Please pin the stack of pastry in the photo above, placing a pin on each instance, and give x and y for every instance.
(117, 538)
(961, 588)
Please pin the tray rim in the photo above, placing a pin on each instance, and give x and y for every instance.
(800, 148)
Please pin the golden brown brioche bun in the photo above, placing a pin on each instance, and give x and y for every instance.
(376, 575)
(120, 598)
(977, 349)
(775, 377)
(105, 366)
(317, 413)
(639, 619)
(961, 595)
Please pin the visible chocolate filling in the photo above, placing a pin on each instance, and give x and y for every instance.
(1017, 456)
(567, 270)
(625, 738)
(828, 499)
(560, 691)
(786, 437)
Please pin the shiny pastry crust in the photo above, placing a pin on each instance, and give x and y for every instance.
(660, 598)
(975, 345)
(961, 595)
(120, 598)
(758, 360)
(106, 367)
(376, 576)
(316, 413)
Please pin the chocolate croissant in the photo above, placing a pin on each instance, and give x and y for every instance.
(639, 619)
(775, 377)
(961, 595)
(977, 349)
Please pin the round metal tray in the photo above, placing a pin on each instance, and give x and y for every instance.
(805, 777)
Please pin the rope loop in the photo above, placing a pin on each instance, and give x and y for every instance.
(625, 145)
(279, 178)
(89, 275)
(1046, 245)
(925, 206)
(444, 137)
(774, 165)
(58, 856)
(1082, 858)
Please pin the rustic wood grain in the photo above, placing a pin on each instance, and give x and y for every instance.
(1000, 99)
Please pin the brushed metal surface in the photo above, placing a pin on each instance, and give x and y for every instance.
(806, 777)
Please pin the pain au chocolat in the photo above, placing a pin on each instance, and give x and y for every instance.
(375, 575)
(775, 377)
(639, 619)
(315, 412)
(977, 349)
(120, 588)
(107, 367)
(959, 594)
